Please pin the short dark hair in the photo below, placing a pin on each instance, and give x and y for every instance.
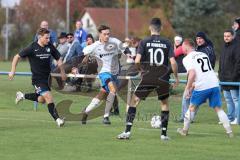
(156, 24)
(90, 36)
(189, 42)
(42, 31)
(70, 34)
(103, 27)
(229, 31)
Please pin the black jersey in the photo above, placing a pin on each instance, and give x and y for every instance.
(155, 50)
(40, 60)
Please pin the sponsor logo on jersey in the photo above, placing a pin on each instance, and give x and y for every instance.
(48, 49)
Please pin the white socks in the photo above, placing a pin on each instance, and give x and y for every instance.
(94, 104)
(189, 116)
(224, 119)
(109, 103)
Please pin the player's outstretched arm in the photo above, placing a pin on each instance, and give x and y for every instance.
(175, 71)
(14, 65)
(190, 82)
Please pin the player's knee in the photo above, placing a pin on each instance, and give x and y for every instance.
(135, 100)
(48, 98)
(217, 109)
(41, 99)
(112, 87)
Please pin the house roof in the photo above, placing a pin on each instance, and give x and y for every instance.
(138, 20)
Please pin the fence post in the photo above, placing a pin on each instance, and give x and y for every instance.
(238, 115)
(129, 94)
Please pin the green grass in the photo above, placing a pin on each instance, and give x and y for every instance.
(29, 135)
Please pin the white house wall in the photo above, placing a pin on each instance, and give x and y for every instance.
(92, 28)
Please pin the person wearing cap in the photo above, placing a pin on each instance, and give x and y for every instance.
(236, 28)
(229, 71)
(206, 46)
(63, 45)
(178, 52)
(179, 55)
(74, 50)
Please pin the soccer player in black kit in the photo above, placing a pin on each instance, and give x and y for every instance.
(39, 55)
(153, 57)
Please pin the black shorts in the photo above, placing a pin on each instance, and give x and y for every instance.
(41, 88)
(143, 91)
(155, 79)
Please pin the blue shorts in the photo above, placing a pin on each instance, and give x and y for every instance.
(213, 94)
(106, 78)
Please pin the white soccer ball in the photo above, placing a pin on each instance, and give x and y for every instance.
(156, 122)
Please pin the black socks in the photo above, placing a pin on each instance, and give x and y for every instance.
(31, 96)
(130, 117)
(52, 110)
(164, 120)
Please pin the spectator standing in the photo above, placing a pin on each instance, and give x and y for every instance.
(178, 52)
(236, 28)
(80, 34)
(229, 71)
(206, 46)
(53, 34)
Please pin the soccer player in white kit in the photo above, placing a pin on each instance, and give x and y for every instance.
(203, 84)
(106, 50)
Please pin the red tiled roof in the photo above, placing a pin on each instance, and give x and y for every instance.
(115, 18)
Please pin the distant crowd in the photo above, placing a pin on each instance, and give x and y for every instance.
(70, 46)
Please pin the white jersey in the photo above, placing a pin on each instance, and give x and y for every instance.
(106, 54)
(205, 75)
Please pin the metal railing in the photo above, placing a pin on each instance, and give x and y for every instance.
(129, 84)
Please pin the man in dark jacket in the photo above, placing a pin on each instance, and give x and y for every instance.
(206, 46)
(229, 71)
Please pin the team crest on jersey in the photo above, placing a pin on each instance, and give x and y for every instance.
(48, 49)
(110, 46)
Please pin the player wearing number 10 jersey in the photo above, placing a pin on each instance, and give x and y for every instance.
(204, 83)
(153, 56)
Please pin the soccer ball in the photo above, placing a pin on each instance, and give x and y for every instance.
(156, 122)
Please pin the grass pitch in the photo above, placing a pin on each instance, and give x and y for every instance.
(27, 134)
